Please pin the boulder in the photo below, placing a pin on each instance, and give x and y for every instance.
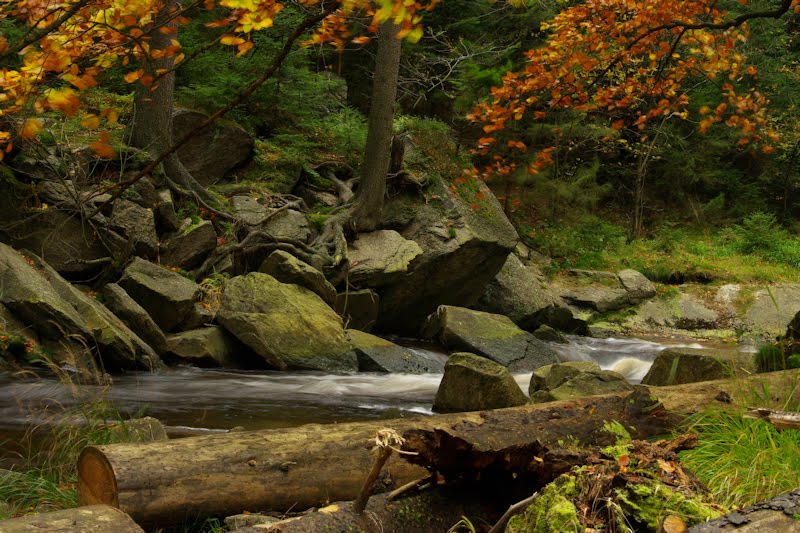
(380, 258)
(166, 296)
(358, 309)
(74, 248)
(770, 309)
(675, 366)
(518, 293)
(463, 248)
(570, 380)
(214, 151)
(548, 334)
(206, 347)
(493, 336)
(42, 300)
(118, 346)
(288, 225)
(683, 311)
(474, 383)
(200, 315)
(134, 316)
(605, 291)
(286, 268)
(287, 325)
(638, 286)
(144, 429)
(188, 247)
(166, 218)
(248, 210)
(379, 355)
(138, 224)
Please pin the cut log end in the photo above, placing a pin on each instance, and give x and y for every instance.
(97, 483)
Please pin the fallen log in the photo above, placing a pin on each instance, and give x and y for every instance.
(298, 468)
(91, 519)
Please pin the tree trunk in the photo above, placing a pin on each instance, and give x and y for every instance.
(154, 103)
(91, 519)
(297, 468)
(369, 204)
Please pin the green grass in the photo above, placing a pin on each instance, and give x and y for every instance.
(47, 477)
(735, 254)
(743, 461)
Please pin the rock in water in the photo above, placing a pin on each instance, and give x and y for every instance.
(495, 337)
(474, 383)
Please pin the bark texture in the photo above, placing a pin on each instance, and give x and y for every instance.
(297, 468)
(369, 204)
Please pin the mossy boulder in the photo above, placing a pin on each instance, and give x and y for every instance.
(287, 325)
(286, 268)
(493, 336)
(166, 296)
(570, 380)
(675, 366)
(680, 311)
(380, 258)
(769, 310)
(380, 355)
(190, 245)
(523, 296)
(474, 383)
(463, 248)
(210, 346)
(134, 316)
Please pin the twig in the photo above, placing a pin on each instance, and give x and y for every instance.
(387, 440)
(500, 526)
(415, 486)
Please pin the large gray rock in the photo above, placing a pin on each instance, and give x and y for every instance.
(570, 380)
(359, 309)
(138, 224)
(463, 248)
(166, 296)
(287, 325)
(605, 291)
(288, 225)
(70, 246)
(118, 346)
(215, 151)
(474, 383)
(134, 316)
(190, 246)
(248, 210)
(286, 268)
(379, 355)
(675, 366)
(682, 311)
(42, 300)
(495, 337)
(380, 258)
(771, 309)
(518, 293)
(207, 347)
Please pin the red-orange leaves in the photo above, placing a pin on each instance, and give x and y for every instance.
(627, 61)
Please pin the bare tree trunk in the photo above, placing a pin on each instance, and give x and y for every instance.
(153, 104)
(369, 204)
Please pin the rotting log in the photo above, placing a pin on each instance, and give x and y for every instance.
(298, 468)
(91, 519)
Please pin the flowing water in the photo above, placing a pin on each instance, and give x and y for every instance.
(221, 399)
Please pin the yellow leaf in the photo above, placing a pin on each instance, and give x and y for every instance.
(31, 128)
(131, 77)
(90, 121)
(231, 40)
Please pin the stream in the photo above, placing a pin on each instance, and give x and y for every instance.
(222, 399)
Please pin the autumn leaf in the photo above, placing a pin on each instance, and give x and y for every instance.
(102, 148)
(31, 128)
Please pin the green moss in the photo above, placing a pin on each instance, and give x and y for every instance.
(552, 512)
(647, 504)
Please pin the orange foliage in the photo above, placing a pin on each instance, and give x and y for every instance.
(88, 37)
(629, 61)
